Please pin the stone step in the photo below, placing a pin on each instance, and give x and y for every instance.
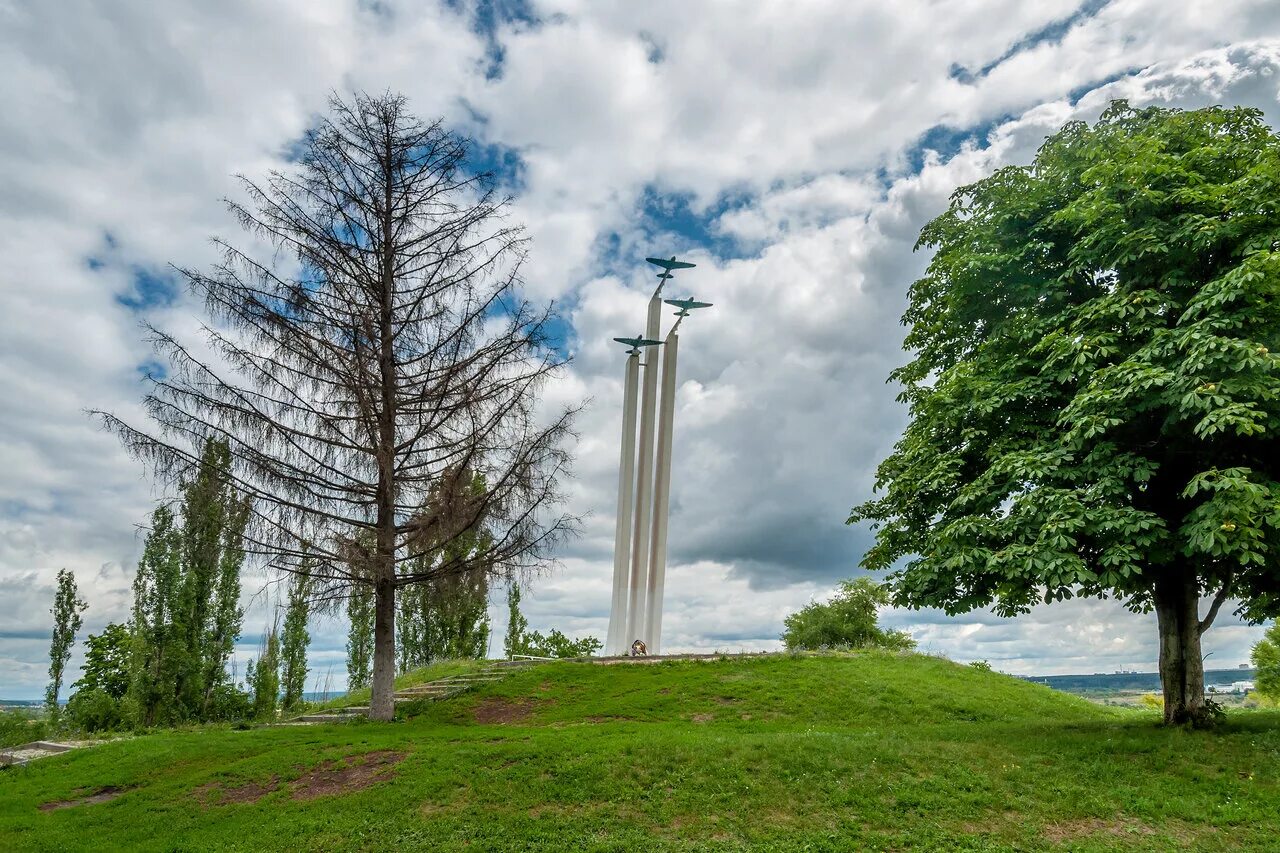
(324, 718)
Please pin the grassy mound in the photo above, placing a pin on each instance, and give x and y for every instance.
(870, 751)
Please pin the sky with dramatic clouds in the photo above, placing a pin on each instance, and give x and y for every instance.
(791, 148)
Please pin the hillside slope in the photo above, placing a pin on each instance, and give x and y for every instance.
(869, 751)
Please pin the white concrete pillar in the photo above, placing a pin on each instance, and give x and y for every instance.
(661, 497)
(644, 478)
(617, 642)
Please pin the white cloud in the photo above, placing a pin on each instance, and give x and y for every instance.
(124, 123)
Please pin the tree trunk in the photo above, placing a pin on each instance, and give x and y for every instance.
(382, 698)
(1177, 601)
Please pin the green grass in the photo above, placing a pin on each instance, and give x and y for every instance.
(869, 751)
(442, 669)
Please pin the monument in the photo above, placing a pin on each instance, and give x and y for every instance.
(644, 476)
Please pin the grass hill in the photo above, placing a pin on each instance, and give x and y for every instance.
(861, 752)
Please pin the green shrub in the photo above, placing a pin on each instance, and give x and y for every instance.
(557, 645)
(847, 621)
(95, 710)
(229, 703)
(981, 665)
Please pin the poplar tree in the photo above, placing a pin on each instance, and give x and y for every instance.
(383, 346)
(264, 676)
(293, 643)
(67, 609)
(186, 610)
(359, 637)
(158, 652)
(517, 625)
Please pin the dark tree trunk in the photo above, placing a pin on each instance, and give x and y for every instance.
(1177, 601)
(382, 694)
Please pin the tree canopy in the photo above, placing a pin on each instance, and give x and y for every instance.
(1093, 396)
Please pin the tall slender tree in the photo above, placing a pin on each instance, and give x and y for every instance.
(359, 636)
(386, 346)
(517, 626)
(157, 649)
(294, 641)
(186, 613)
(67, 621)
(264, 675)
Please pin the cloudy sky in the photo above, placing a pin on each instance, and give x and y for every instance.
(791, 148)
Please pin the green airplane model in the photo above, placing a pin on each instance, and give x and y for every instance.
(636, 343)
(671, 264)
(685, 305)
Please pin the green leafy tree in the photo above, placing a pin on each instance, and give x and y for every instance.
(1093, 393)
(517, 626)
(106, 662)
(158, 652)
(264, 676)
(359, 637)
(294, 642)
(213, 523)
(1266, 659)
(847, 621)
(67, 609)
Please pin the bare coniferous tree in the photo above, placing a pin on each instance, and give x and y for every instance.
(386, 348)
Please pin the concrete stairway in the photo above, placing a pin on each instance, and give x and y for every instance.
(441, 688)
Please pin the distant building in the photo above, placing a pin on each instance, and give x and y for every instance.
(1236, 688)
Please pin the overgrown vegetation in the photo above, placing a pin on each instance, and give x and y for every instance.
(847, 621)
(865, 751)
(519, 640)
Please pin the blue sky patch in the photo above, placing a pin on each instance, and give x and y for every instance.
(1051, 33)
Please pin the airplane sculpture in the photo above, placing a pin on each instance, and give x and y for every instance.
(685, 304)
(637, 342)
(671, 264)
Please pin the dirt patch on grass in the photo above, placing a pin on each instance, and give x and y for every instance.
(703, 718)
(102, 795)
(496, 709)
(609, 718)
(1072, 830)
(327, 778)
(353, 773)
(217, 794)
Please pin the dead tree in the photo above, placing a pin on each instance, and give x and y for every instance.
(383, 347)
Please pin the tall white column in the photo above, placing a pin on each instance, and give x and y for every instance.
(644, 478)
(661, 497)
(617, 640)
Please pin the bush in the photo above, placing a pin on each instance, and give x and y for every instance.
(229, 703)
(981, 665)
(847, 621)
(95, 710)
(556, 645)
